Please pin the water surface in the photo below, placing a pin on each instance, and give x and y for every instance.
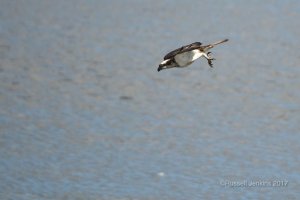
(85, 115)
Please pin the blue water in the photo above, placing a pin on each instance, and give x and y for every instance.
(85, 115)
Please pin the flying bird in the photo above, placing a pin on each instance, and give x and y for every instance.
(186, 55)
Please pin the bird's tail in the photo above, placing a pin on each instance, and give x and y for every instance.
(207, 47)
(219, 42)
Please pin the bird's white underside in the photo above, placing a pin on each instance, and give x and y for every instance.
(187, 58)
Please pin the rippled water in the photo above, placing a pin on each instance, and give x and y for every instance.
(85, 115)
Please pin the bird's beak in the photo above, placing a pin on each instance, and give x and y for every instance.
(160, 67)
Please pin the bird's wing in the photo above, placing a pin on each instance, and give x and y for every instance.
(183, 49)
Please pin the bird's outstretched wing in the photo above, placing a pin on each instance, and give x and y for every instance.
(183, 49)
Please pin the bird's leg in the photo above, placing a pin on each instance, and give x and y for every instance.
(209, 59)
(210, 63)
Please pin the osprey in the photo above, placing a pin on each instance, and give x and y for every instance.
(186, 55)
